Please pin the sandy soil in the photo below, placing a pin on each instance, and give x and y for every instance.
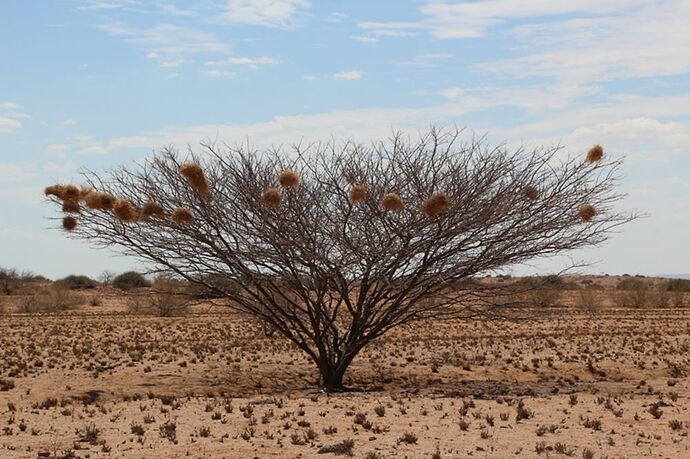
(101, 383)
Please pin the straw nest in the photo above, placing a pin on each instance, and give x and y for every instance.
(152, 209)
(54, 190)
(288, 179)
(70, 192)
(71, 206)
(124, 210)
(595, 154)
(271, 197)
(196, 177)
(358, 193)
(530, 192)
(182, 216)
(586, 212)
(434, 205)
(69, 223)
(392, 202)
(99, 200)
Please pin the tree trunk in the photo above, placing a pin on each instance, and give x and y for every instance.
(332, 379)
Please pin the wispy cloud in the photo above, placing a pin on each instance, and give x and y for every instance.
(349, 75)
(170, 45)
(10, 114)
(251, 62)
(266, 13)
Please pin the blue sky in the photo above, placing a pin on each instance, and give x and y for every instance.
(98, 83)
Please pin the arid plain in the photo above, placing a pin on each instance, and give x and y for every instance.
(589, 377)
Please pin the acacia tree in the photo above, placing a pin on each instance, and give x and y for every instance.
(335, 244)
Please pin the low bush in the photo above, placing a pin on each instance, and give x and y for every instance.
(161, 305)
(130, 280)
(678, 285)
(74, 282)
(49, 299)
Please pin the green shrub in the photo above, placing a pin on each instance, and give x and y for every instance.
(217, 283)
(130, 280)
(77, 282)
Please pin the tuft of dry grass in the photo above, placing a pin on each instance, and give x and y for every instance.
(288, 179)
(586, 212)
(434, 205)
(392, 202)
(182, 216)
(595, 154)
(196, 177)
(271, 197)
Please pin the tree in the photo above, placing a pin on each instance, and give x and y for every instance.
(130, 280)
(335, 244)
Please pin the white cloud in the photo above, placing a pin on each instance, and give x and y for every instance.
(219, 74)
(168, 44)
(267, 13)
(251, 62)
(8, 125)
(651, 41)
(427, 60)
(9, 106)
(349, 75)
(376, 30)
(69, 122)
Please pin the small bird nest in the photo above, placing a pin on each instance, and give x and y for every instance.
(434, 205)
(271, 197)
(70, 192)
(586, 212)
(196, 177)
(152, 209)
(288, 179)
(99, 201)
(69, 223)
(182, 216)
(595, 154)
(124, 210)
(84, 192)
(71, 206)
(530, 192)
(54, 190)
(358, 193)
(392, 202)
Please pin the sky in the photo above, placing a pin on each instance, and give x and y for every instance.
(100, 83)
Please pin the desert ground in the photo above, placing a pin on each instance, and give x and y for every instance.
(97, 381)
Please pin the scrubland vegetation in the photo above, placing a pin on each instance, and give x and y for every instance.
(84, 373)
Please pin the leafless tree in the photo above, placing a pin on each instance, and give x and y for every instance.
(370, 238)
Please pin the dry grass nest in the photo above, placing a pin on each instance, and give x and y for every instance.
(530, 192)
(182, 216)
(99, 200)
(196, 177)
(434, 205)
(69, 223)
(392, 202)
(358, 193)
(595, 154)
(271, 197)
(71, 206)
(152, 209)
(288, 179)
(586, 212)
(125, 211)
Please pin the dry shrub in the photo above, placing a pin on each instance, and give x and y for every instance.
(152, 209)
(124, 210)
(182, 216)
(69, 223)
(288, 179)
(634, 293)
(271, 197)
(530, 192)
(545, 297)
(358, 193)
(587, 300)
(196, 177)
(434, 205)
(48, 299)
(71, 206)
(586, 212)
(595, 154)
(161, 305)
(392, 202)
